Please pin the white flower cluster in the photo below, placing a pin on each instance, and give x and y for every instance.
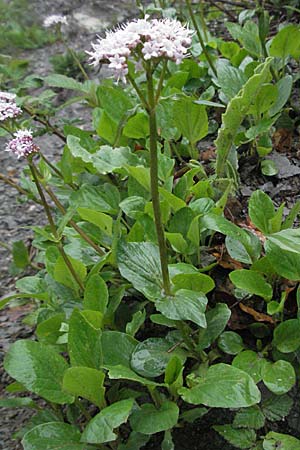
(155, 38)
(8, 107)
(22, 144)
(55, 19)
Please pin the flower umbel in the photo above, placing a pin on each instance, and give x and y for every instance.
(8, 107)
(55, 19)
(22, 144)
(154, 38)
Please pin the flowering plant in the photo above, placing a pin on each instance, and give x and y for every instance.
(144, 278)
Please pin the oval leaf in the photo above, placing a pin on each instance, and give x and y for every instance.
(223, 386)
(39, 368)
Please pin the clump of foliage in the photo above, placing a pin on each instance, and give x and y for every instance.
(17, 29)
(64, 64)
(138, 238)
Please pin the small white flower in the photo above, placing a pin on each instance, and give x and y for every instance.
(7, 96)
(155, 38)
(8, 106)
(22, 144)
(55, 19)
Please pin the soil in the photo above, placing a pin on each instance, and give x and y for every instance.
(86, 20)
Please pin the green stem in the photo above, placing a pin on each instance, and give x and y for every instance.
(157, 400)
(206, 53)
(45, 122)
(139, 92)
(83, 409)
(57, 171)
(52, 224)
(72, 53)
(154, 183)
(80, 66)
(15, 186)
(187, 338)
(161, 80)
(72, 223)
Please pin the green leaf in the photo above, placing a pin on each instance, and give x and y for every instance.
(177, 242)
(150, 420)
(251, 363)
(20, 254)
(84, 341)
(284, 87)
(136, 322)
(231, 343)
(190, 119)
(230, 79)
(114, 101)
(251, 282)
(104, 198)
(140, 174)
(101, 220)
(139, 263)
(286, 42)
(119, 372)
(265, 100)
(235, 113)
(274, 441)
(249, 418)
(95, 294)
(150, 357)
(85, 382)
(39, 368)
(223, 386)
(277, 407)
(224, 226)
(117, 348)
(291, 217)
(106, 160)
(217, 319)
(175, 202)
(173, 372)
(287, 336)
(248, 35)
(238, 438)
(198, 282)
(184, 305)
(284, 263)
(53, 436)
(137, 127)
(261, 211)
(61, 81)
(100, 428)
(133, 206)
(269, 168)
(167, 443)
(135, 441)
(49, 330)
(237, 250)
(279, 377)
(62, 274)
(193, 414)
(288, 240)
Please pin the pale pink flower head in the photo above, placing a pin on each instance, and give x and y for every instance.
(22, 145)
(7, 97)
(153, 39)
(8, 106)
(55, 19)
